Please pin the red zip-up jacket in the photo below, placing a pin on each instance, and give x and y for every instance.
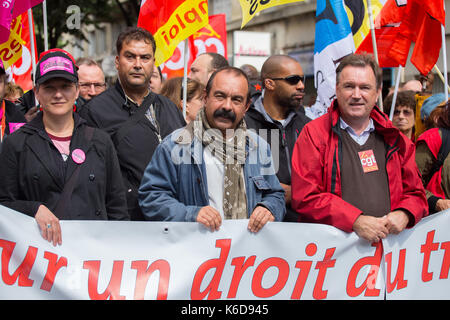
(316, 172)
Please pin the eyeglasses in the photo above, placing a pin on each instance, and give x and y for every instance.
(97, 85)
(292, 80)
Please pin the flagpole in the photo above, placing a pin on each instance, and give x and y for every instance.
(33, 50)
(44, 14)
(439, 73)
(374, 44)
(186, 57)
(394, 98)
(372, 30)
(444, 59)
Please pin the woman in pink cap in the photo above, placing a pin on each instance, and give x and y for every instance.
(56, 167)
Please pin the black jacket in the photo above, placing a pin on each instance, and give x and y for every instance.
(33, 173)
(13, 115)
(282, 147)
(132, 133)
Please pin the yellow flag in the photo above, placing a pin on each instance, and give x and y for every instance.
(251, 7)
(11, 50)
(358, 17)
(419, 128)
(171, 22)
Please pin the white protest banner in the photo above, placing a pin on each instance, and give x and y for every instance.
(175, 260)
(418, 260)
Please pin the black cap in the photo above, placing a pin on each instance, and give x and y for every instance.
(56, 64)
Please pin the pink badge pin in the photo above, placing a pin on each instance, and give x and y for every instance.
(78, 156)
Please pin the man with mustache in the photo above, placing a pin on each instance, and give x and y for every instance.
(351, 168)
(214, 168)
(278, 115)
(136, 118)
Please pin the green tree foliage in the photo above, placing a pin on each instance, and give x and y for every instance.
(60, 17)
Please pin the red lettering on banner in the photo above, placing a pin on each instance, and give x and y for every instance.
(305, 267)
(191, 16)
(323, 265)
(399, 280)
(218, 264)
(173, 32)
(203, 6)
(283, 275)
(369, 284)
(15, 46)
(426, 249)
(143, 274)
(54, 264)
(446, 260)
(163, 33)
(113, 288)
(23, 271)
(180, 21)
(239, 268)
(5, 54)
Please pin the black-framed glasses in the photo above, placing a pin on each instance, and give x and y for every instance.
(292, 80)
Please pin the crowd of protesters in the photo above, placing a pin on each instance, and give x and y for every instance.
(72, 148)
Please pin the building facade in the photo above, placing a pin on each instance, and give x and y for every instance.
(289, 28)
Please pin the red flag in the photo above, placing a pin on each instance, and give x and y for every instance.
(212, 38)
(171, 22)
(422, 25)
(387, 25)
(20, 6)
(9, 10)
(22, 69)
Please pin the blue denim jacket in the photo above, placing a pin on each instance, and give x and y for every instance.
(174, 185)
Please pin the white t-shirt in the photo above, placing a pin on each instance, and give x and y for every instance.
(214, 177)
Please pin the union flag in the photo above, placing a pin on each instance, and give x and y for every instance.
(171, 22)
(401, 22)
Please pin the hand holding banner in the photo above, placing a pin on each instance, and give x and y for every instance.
(307, 261)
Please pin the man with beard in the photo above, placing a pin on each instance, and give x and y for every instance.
(278, 116)
(214, 168)
(136, 118)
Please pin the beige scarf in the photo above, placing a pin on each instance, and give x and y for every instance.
(232, 154)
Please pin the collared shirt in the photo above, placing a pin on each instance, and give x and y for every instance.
(362, 138)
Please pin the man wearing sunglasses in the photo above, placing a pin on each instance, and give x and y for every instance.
(278, 115)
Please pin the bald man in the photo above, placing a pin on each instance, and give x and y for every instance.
(278, 115)
(412, 85)
(205, 64)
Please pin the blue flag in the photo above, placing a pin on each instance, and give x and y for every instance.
(334, 40)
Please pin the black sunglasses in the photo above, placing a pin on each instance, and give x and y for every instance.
(294, 79)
